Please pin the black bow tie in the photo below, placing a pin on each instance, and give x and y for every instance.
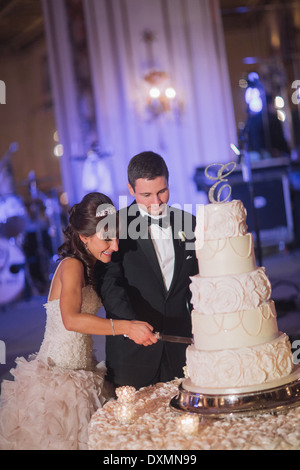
(163, 222)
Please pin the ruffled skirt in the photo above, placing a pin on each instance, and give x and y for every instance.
(49, 408)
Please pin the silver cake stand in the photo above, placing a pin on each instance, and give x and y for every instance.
(277, 396)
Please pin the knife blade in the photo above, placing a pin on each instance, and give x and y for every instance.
(174, 339)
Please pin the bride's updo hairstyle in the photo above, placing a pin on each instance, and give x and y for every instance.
(95, 213)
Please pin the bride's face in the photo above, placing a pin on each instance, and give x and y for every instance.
(102, 249)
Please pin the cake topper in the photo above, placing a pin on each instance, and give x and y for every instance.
(220, 179)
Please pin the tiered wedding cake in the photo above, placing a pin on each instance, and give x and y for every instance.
(236, 337)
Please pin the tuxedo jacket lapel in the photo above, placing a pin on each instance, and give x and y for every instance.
(179, 252)
(145, 243)
(149, 251)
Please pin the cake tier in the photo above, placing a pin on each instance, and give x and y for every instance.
(229, 256)
(224, 294)
(240, 367)
(234, 330)
(221, 220)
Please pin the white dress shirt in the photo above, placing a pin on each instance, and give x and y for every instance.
(162, 240)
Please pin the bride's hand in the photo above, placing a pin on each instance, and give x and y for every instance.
(141, 333)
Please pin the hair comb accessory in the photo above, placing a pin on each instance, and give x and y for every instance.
(107, 211)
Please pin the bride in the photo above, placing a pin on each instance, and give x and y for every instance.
(54, 393)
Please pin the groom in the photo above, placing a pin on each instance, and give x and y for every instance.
(148, 278)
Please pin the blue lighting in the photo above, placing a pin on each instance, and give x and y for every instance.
(253, 77)
(253, 93)
(253, 99)
(250, 60)
(242, 9)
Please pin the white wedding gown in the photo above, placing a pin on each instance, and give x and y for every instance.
(54, 393)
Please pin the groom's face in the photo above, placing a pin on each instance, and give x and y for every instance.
(151, 195)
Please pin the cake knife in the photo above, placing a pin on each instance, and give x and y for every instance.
(174, 339)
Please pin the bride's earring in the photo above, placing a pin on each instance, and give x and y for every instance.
(85, 243)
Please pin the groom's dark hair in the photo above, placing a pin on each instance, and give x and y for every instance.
(146, 165)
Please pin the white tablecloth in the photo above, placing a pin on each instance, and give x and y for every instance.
(154, 427)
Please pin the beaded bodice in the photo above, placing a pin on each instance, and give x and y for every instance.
(63, 348)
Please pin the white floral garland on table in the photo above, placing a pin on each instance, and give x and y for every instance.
(154, 427)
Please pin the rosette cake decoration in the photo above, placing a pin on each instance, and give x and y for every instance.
(236, 337)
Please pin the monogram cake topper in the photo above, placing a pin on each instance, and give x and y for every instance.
(220, 179)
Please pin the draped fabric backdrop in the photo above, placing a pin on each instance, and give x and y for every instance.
(187, 43)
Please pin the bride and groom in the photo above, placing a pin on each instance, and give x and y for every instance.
(143, 283)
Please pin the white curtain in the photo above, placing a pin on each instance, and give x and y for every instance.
(189, 46)
(64, 92)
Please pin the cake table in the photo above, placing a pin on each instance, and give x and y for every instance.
(154, 427)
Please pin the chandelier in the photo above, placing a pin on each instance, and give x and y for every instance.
(159, 94)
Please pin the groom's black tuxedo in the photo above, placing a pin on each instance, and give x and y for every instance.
(133, 288)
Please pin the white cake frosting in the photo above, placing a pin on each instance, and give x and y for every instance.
(222, 220)
(236, 338)
(240, 367)
(226, 256)
(234, 330)
(222, 294)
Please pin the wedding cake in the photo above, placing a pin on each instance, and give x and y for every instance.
(236, 337)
